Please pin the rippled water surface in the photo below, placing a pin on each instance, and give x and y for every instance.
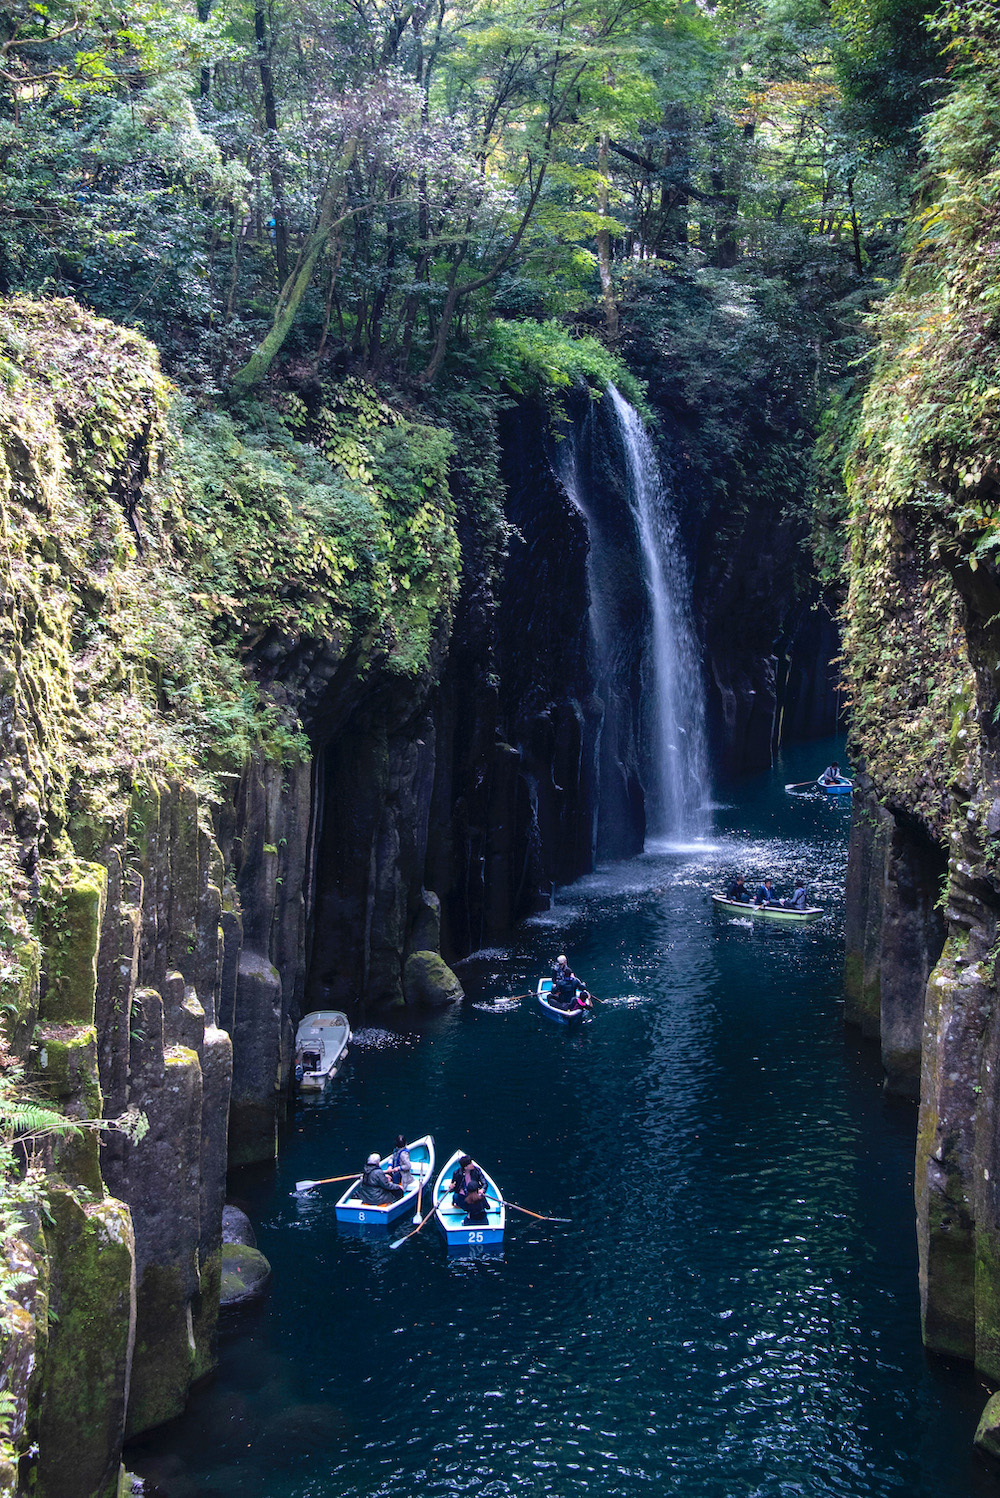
(731, 1312)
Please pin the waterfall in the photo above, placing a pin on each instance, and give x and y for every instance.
(673, 708)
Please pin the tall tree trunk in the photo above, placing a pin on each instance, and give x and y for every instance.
(604, 241)
(855, 229)
(297, 284)
(272, 145)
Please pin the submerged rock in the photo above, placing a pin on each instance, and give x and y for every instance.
(245, 1274)
(988, 1430)
(237, 1227)
(427, 979)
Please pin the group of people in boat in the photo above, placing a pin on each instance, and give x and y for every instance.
(765, 893)
(567, 991)
(379, 1186)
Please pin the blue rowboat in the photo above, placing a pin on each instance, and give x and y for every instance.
(839, 787)
(458, 1232)
(351, 1209)
(552, 1011)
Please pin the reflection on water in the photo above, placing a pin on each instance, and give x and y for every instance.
(732, 1310)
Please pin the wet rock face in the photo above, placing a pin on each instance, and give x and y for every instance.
(923, 917)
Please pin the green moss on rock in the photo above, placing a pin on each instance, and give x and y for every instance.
(427, 979)
(81, 1415)
(245, 1274)
(72, 910)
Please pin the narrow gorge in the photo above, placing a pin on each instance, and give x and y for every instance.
(451, 468)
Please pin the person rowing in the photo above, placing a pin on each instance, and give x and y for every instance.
(831, 775)
(468, 1190)
(765, 893)
(376, 1188)
(567, 990)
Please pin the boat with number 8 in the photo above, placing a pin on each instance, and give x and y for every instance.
(786, 913)
(352, 1209)
(459, 1233)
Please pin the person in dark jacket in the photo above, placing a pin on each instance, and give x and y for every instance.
(468, 1190)
(566, 985)
(831, 775)
(765, 893)
(738, 890)
(376, 1188)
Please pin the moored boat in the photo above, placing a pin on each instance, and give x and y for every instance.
(769, 912)
(459, 1233)
(839, 787)
(321, 1042)
(552, 1010)
(351, 1209)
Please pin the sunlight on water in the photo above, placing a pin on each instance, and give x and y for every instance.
(732, 1309)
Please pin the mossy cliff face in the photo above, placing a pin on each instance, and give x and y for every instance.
(178, 602)
(923, 668)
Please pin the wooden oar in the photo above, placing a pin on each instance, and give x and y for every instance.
(538, 1214)
(327, 1181)
(400, 1241)
(420, 1191)
(799, 784)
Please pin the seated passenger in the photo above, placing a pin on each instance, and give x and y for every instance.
(765, 893)
(738, 890)
(798, 900)
(401, 1169)
(468, 1189)
(376, 1189)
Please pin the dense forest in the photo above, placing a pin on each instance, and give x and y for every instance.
(297, 298)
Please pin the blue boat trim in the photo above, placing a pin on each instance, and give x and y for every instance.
(351, 1209)
(552, 1011)
(451, 1220)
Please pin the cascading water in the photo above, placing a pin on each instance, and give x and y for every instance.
(673, 698)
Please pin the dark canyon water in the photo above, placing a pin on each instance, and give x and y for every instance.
(732, 1312)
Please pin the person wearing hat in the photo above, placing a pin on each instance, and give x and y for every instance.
(401, 1170)
(377, 1189)
(468, 1190)
(567, 990)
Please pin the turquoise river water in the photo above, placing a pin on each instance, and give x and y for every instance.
(732, 1311)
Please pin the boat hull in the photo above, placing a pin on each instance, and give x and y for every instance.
(325, 1034)
(459, 1236)
(352, 1212)
(841, 788)
(566, 1018)
(768, 912)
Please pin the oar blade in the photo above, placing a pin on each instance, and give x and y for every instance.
(304, 1186)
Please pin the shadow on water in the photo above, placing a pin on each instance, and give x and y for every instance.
(732, 1311)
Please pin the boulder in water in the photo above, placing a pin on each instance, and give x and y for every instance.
(237, 1227)
(988, 1430)
(427, 979)
(245, 1274)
